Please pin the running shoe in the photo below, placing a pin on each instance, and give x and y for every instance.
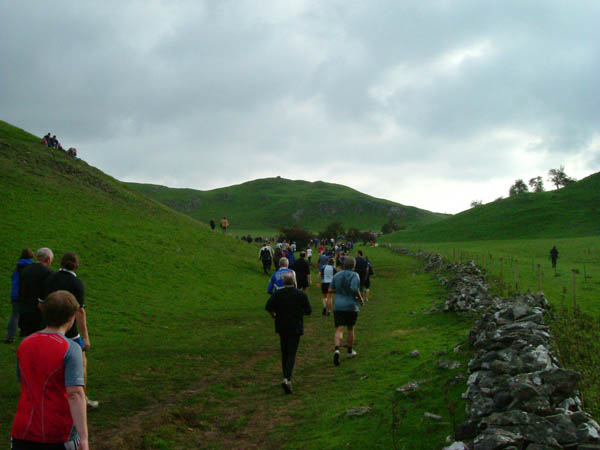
(91, 404)
(287, 386)
(336, 358)
(351, 354)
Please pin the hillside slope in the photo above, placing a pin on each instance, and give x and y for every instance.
(269, 203)
(573, 211)
(155, 279)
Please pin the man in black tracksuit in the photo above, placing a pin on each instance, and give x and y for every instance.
(288, 306)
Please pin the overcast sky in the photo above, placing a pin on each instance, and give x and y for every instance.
(427, 103)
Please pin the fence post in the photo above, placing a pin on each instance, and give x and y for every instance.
(539, 278)
(573, 271)
(502, 269)
(454, 255)
(516, 275)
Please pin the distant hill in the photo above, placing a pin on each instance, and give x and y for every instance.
(269, 203)
(573, 211)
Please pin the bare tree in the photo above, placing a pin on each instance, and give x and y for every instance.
(518, 188)
(559, 178)
(536, 184)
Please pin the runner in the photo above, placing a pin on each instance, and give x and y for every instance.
(302, 270)
(265, 254)
(362, 270)
(346, 287)
(325, 276)
(288, 306)
(276, 281)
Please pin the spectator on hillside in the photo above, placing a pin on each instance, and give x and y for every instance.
(212, 224)
(51, 412)
(66, 280)
(72, 152)
(224, 224)
(288, 306)
(31, 289)
(13, 323)
(554, 256)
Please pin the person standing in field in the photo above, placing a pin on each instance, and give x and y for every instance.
(325, 277)
(265, 254)
(224, 224)
(66, 280)
(346, 287)
(554, 256)
(212, 224)
(31, 289)
(13, 323)
(302, 270)
(51, 412)
(288, 306)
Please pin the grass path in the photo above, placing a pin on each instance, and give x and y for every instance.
(236, 400)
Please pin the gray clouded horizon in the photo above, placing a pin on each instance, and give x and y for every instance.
(430, 104)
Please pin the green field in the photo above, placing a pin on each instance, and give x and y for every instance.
(183, 354)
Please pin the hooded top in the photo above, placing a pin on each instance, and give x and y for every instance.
(16, 277)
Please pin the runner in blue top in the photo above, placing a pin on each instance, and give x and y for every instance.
(276, 281)
(346, 286)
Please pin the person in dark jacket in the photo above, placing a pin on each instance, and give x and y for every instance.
(302, 270)
(554, 256)
(66, 280)
(31, 289)
(212, 224)
(25, 260)
(288, 306)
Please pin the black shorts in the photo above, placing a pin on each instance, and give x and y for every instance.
(344, 318)
(325, 288)
(302, 284)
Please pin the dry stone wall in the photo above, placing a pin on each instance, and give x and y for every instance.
(518, 397)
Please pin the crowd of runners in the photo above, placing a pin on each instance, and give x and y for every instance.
(344, 281)
(49, 309)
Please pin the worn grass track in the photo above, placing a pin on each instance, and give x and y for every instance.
(236, 401)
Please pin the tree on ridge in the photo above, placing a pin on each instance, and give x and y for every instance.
(518, 188)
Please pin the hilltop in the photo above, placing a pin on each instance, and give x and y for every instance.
(572, 211)
(269, 203)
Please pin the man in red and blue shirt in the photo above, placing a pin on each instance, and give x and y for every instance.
(51, 413)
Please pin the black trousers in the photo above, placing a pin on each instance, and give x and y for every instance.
(289, 347)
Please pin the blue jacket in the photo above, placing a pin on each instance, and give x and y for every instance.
(16, 277)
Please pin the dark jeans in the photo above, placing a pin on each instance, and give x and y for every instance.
(266, 265)
(289, 347)
(13, 322)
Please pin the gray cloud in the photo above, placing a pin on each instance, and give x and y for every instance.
(203, 94)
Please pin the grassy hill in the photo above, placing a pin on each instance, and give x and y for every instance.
(573, 211)
(268, 203)
(183, 354)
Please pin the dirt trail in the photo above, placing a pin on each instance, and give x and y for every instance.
(249, 417)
